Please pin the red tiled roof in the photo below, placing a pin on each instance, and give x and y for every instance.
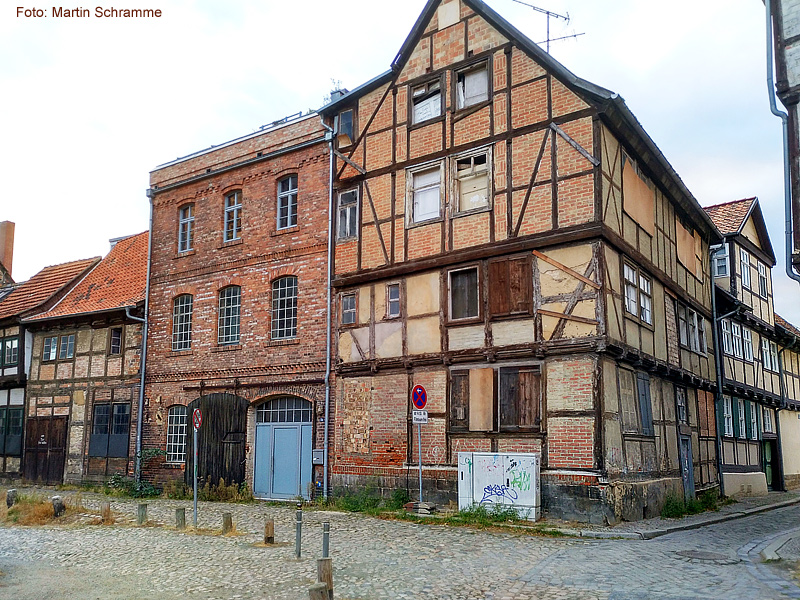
(786, 325)
(116, 282)
(729, 217)
(31, 294)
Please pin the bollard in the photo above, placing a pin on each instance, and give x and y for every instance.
(105, 512)
(326, 539)
(325, 574)
(180, 518)
(269, 532)
(298, 529)
(318, 591)
(227, 523)
(58, 506)
(11, 497)
(141, 514)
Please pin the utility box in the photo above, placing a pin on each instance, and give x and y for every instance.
(318, 457)
(507, 479)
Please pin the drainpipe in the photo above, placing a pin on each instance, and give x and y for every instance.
(329, 137)
(143, 361)
(787, 185)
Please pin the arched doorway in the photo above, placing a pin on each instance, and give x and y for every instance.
(284, 437)
(222, 438)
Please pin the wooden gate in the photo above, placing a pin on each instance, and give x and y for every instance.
(45, 449)
(221, 448)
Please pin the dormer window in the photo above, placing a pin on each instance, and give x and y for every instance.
(472, 86)
(427, 101)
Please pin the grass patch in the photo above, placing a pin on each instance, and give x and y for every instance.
(221, 492)
(676, 507)
(35, 509)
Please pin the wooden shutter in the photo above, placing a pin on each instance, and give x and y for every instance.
(498, 288)
(459, 400)
(645, 407)
(510, 286)
(630, 421)
(519, 398)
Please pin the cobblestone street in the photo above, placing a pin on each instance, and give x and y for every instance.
(376, 559)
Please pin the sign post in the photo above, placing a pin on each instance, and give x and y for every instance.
(197, 420)
(419, 397)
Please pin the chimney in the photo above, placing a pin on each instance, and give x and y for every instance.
(336, 94)
(7, 244)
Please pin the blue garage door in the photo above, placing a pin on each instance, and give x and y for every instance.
(283, 448)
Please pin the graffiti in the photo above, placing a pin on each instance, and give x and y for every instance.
(520, 480)
(466, 461)
(435, 454)
(498, 491)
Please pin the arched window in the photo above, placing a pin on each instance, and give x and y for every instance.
(230, 302)
(288, 409)
(284, 308)
(176, 434)
(182, 322)
(233, 216)
(186, 228)
(287, 202)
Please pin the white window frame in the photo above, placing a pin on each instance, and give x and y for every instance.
(763, 289)
(727, 342)
(177, 430)
(773, 353)
(232, 227)
(645, 299)
(392, 302)
(349, 308)
(412, 206)
(466, 176)
(631, 289)
(470, 77)
(727, 415)
(766, 416)
(753, 421)
(745, 265)
(742, 418)
(286, 212)
(348, 203)
(721, 260)
(747, 342)
(736, 334)
(429, 104)
(50, 348)
(186, 228)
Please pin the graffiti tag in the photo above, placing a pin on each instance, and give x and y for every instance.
(520, 480)
(498, 491)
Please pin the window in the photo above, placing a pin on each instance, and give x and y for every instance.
(284, 308)
(464, 294)
(745, 268)
(115, 341)
(285, 410)
(230, 304)
(393, 300)
(11, 430)
(233, 216)
(773, 353)
(742, 418)
(762, 279)
(426, 100)
(186, 228)
(765, 357)
(50, 348)
(720, 260)
(348, 309)
(110, 428)
(637, 414)
(727, 344)
(182, 322)
(287, 202)
(66, 348)
(753, 421)
(459, 401)
(638, 294)
(692, 329)
(176, 434)
(510, 287)
(736, 334)
(519, 399)
(766, 419)
(10, 352)
(346, 128)
(348, 215)
(472, 86)
(680, 398)
(727, 415)
(425, 193)
(472, 177)
(747, 337)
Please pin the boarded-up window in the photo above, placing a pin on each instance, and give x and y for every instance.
(630, 419)
(510, 287)
(638, 197)
(519, 398)
(459, 400)
(481, 399)
(472, 176)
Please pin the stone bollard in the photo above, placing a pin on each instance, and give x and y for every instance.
(105, 512)
(318, 591)
(141, 514)
(180, 518)
(58, 506)
(325, 574)
(269, 531)
(298, 529)
(326, 539)
(227, 523)
(11, 497)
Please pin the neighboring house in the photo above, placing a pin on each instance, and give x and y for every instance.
(788, 421)
(237, 310)
(39, 293)
(6, 256)
(509, 237)
(84, 376)
(749, 348)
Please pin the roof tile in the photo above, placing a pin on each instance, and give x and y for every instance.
(729, 217)
(786, 325)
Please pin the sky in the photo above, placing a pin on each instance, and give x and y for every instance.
(91, 105)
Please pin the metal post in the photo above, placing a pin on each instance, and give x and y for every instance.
(419, 442)
(195, 477)
(298, 529)
(326, 539)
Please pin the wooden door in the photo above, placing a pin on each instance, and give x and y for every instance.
(45, 449)
(221, 447)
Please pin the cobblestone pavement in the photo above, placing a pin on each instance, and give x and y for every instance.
(376, 559)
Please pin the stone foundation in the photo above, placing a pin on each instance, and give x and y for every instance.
(739, 485)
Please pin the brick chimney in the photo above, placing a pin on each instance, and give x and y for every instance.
(7, 244)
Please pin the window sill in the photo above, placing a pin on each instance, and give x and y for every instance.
(426, 122)
(290, 342)
(181, 353)
(414, 224)
(185, 254)
(236, 242)
(180, 466)
(346, 240)
(636, 319)
(472, 211)
(227, 348)
(285, 230)
(464, 321)
(461, 112)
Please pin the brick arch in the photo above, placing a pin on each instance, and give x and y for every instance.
(285, 172)
(285, 271)
(228, 281)
(233, 187)
(259, 400)
(180, 290)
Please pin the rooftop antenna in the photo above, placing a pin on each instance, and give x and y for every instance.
(550, 14)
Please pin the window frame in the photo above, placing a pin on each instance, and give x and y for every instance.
(344, 309)
(478, 300)
(182, 329)
(50, 348)
(460, 100)
(229, 316)
(66, 346)
(390, 314)
(352, 211)
(682, 404)
(742, 418)
(766, 416)
(428, 93)
(119, 343)
(744, 259)
(290, 198)
(232, 219)
(727, 339)
(278, 320)
(738, 341)
(110, 444)
(9, 345)
(747, 343)
(763, 289)
(15, 447)
(721, 259)
(411, 191)
(501, 291)
(179, 449)
(727, 416)
(457, 179)
(186, 224)
(635, 294)
(753, 420)
(353, 130)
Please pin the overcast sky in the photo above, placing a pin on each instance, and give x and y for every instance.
(90, 106)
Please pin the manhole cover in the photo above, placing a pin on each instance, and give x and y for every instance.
(703, 556)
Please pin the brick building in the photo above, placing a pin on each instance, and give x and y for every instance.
(509, 237)
(84, 375)
(237, 310)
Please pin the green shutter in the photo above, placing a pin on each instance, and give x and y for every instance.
(735, 416)
(748, 428)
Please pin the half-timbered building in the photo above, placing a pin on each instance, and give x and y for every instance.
(84, 376)
(787, 422)
(237, 310)
(509, 237)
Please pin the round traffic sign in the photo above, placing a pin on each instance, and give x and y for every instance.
(419, 396)
(197, 418)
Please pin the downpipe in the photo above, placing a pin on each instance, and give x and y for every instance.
(326, 442)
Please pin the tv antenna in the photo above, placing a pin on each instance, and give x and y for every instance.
(550, 14)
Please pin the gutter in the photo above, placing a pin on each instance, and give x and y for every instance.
(328, 321)
(787, 184)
